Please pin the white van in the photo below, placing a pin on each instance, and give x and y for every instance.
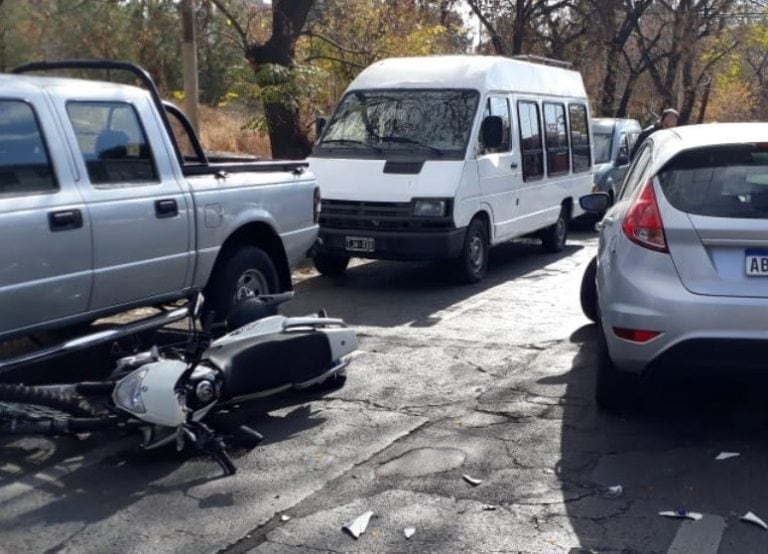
(440, 157)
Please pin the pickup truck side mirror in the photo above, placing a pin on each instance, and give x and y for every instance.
(492, 131)
(320, 124)
(595, 203)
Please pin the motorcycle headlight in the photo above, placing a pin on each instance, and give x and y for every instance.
(127, 393)
(430, 207)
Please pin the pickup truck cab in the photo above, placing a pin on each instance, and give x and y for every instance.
(103, 208)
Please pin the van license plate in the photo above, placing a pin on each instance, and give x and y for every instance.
(757, 262)
(360, 244)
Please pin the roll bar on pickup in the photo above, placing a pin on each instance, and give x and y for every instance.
(164, 108)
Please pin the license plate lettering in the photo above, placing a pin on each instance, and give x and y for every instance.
(360, 244)
(757, 262)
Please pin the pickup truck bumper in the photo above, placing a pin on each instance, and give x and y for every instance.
(406, 246)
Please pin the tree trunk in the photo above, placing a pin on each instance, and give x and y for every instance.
(689, 93)
(519, 27)
(704, 101)
(189, 61)
(629, 89)
(608, 96)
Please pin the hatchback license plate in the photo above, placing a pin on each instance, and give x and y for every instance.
(757, 262)
(360, 244)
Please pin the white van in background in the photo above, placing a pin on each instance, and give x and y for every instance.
(441, 157)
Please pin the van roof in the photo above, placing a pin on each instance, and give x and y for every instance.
(482, 73)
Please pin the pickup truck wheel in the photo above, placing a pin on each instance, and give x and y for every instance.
(330, 264)
(245, 273)
(553, 237)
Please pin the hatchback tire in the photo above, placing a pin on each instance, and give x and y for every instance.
(553, 237)
(472, 264)
(588, 293)
(616, 391)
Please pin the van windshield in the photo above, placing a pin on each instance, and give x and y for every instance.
(429, 123)
(603, 144)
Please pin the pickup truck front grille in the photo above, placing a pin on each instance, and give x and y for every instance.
(377, 216)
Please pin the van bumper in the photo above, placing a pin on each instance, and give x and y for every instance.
(432, 245)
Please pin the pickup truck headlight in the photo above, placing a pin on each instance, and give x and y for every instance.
(430, 207)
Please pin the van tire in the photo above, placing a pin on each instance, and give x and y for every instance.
(472, 263)
(616, 391)
(553, 238)
(246, 270)
(330, 264)
(588, 293)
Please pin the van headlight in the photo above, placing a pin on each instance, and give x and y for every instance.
(430, 207)
(127, 394)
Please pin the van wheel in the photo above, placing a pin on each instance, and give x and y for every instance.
(589, 291)
(330, 264)
(244, 273)
(553, 237)
(473, 261)
(616, 391)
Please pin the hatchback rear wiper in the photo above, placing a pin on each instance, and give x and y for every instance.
(351, 141)
(408, 140)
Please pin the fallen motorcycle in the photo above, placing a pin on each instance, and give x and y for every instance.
(172, 394)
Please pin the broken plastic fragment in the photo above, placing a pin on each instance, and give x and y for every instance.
(726, 455)
(682, 514)
(357, 526)
(471, 480)
(409, 531)
(752, 518)
(614, 491)
(488, 507)
(285, 518)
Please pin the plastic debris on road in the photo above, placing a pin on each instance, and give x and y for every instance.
(488, 507)
(613, 492)
(682, 514)
(357, 526)
(285, 518)
(726, 455)
(471, 480)
(409, 531)
(752, 518)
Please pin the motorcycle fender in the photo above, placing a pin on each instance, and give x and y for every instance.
(343, 341)
(158, 393)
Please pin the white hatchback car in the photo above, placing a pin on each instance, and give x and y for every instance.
(681, 273)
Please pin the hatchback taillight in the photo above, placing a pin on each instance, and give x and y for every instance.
(642, 224)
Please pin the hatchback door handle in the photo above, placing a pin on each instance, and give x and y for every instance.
(65, 220)
(166, 208)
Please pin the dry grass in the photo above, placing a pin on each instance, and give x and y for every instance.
(221, 130)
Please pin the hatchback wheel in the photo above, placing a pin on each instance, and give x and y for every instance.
(615, 390)
(589, 291)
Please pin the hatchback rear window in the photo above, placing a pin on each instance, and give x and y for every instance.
(719, 181)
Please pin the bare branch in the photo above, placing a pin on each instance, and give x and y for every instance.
(238, 28)
(335, 44)
(334, 59)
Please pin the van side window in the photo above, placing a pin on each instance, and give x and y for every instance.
(498, 105)
(113, 143)
(25, 167)
(580, 151)
(530, 140)
(558, 159)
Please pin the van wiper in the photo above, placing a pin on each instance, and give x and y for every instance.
(351, 141)
(408, 140)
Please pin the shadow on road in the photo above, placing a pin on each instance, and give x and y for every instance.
(388, 294)
(663, 455)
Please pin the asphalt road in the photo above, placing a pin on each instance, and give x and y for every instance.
(493, 381)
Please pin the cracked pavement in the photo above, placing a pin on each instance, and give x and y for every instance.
(492, 380)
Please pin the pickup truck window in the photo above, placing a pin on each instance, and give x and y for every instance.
(25, 167)
(112, 142)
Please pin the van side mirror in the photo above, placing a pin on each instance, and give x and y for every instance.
(492, 131)
(595, 203)
(622, 159)
(320, 123)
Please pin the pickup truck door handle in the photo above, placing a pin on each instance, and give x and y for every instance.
(513, 165)
(65, 220)
(166, 208)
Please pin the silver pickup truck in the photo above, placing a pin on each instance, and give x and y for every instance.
(108, 202)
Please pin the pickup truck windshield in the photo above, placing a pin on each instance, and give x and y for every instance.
(431, 123)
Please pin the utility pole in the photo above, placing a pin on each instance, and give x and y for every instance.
(189, 60)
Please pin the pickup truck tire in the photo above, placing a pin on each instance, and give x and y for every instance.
(330, 264)
(243, 273)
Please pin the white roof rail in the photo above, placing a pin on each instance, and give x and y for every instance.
(543, 60)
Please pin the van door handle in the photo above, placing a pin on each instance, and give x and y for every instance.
(65, 220)
(166, 208)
